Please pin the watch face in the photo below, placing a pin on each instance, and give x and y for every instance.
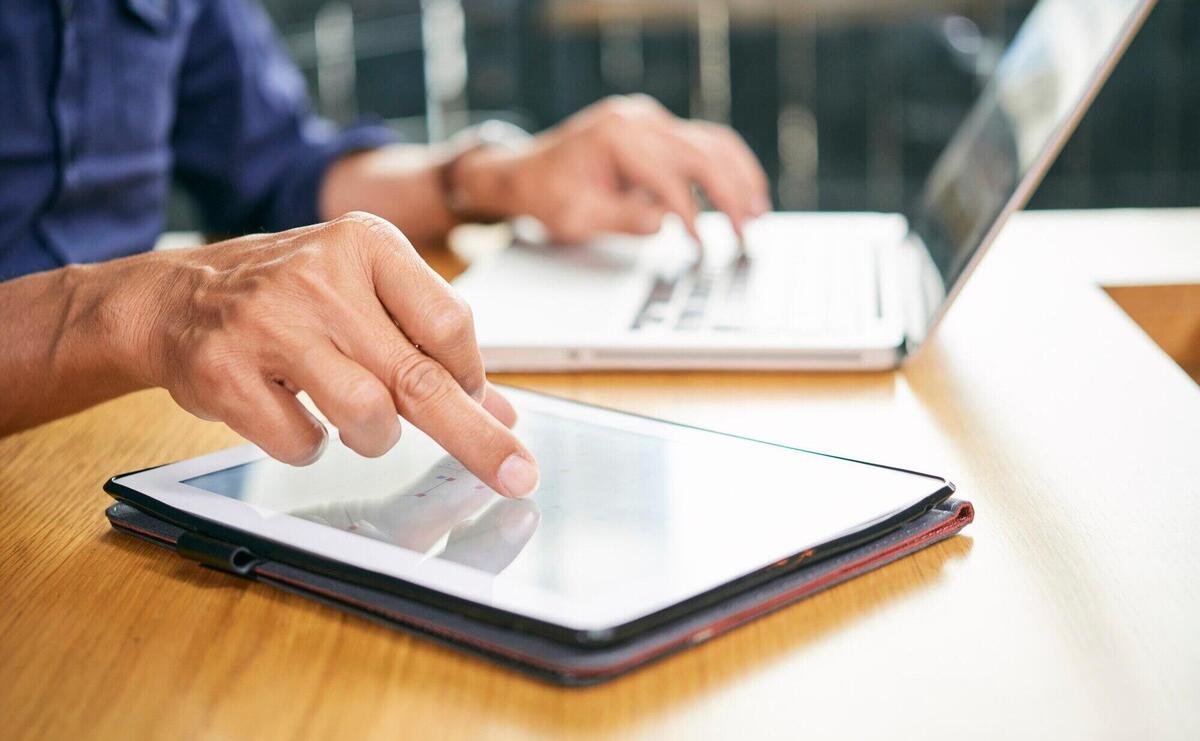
(455, 194)
(491, 133)
(495, 132)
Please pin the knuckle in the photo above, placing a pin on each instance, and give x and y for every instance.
(612, 105)
(367, 403)
(371, 229)
(618, 111)
(366, 232)
(736, 141)
(419, 380)
(451, 322)
(359, 220)
(646, 104)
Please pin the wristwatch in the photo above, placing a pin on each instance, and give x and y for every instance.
(491, 133)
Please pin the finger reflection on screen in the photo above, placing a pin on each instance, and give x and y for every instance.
(480, 529)
(493, 540)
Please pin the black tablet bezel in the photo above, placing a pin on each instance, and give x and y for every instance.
(284, 553)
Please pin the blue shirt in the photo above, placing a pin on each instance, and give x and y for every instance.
(102, 102)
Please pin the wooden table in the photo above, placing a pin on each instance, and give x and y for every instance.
(1071, 607)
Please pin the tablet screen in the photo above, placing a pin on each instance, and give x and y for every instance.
(632, 515)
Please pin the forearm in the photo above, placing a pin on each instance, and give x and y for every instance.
(407, 185)
(65, 342)
(402, 183)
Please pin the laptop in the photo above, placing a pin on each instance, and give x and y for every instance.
(821, 291)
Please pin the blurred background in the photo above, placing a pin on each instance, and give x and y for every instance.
(846, 102)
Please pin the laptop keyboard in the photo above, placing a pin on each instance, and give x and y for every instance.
(810, 290)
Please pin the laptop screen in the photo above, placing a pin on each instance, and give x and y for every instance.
(1048, 74)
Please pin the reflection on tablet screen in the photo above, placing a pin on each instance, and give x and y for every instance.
(621, 511)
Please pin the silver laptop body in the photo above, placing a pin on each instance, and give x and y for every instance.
(810, 290)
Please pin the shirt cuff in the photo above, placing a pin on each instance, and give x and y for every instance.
(297, 200)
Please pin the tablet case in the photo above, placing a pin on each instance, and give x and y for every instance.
(541, 657)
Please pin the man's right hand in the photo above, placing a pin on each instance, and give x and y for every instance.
(345, 311)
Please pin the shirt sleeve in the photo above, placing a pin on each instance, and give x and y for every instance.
(245, 142)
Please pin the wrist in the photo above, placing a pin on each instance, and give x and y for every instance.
(118, 308)
(478, 185)
(71, 339)
(479, 178)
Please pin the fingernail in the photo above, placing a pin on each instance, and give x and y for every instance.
(320, 449)
(519, 523)
(518, 476)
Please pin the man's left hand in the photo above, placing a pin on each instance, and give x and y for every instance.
(620, 166)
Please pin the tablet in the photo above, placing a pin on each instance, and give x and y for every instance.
(636, 522)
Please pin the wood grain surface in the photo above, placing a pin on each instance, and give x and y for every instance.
(1170, 314)
(1069, 609)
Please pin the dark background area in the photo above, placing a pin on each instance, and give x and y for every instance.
(847, 104)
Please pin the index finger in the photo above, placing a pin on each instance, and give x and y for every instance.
(646, 167)
(429, 397)
(742, 158)
(712, 168)
(428, 311)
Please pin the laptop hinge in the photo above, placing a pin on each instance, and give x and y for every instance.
(922, 290)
